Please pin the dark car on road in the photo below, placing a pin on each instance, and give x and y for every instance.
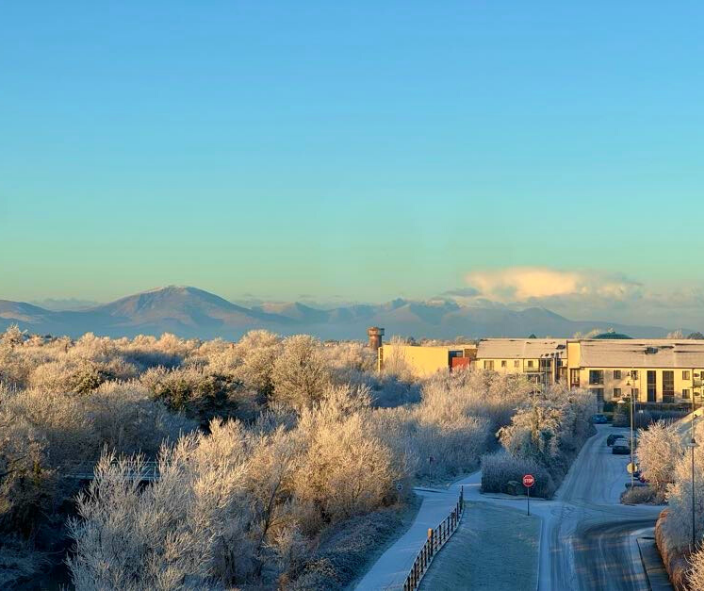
(599, 419)
(621, 448)
(612, 438)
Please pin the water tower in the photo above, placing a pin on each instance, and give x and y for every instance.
(375, 333)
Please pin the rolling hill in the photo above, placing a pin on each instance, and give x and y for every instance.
(192, 312)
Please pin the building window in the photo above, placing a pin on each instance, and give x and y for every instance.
(530, 363)
(599, 394)
(617, 374)
(575, 378)
(651, 386)
(597, 376)
(686, 392)
(668, 386)
(489, 365)
(635, 393)
(517, 363)
(635, 374)
(617, 393)
(504, 363)
(686, 375)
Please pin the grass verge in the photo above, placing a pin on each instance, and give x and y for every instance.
(493, 549)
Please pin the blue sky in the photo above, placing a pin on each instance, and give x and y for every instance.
(356, 150)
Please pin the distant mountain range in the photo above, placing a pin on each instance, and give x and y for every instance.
(192, 312)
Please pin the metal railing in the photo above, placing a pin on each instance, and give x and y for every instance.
(149, 471)
(434, 542)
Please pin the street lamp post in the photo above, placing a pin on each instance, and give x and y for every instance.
(692, 445)
(631, 427)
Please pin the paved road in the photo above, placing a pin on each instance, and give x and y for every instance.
(589, 537)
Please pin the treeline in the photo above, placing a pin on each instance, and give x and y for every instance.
(674, 474)
(281, 461)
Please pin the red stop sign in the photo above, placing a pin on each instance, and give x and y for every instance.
(528, 480)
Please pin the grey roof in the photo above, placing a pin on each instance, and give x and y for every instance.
(641, 353)
(521, 348)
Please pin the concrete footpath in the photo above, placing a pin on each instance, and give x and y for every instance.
(653, 565)
(391, 569)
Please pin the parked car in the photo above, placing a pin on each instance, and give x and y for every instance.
(599, 419)
(621, 448)
(612, 438)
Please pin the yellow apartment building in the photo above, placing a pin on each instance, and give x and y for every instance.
(541, 360)
(425, 361)
(653, 370)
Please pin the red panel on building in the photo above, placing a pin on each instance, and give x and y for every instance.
(459, 363)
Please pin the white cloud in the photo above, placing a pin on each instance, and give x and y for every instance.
(582, 295)
(524, 283)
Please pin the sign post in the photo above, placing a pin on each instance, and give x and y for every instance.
(528, 481)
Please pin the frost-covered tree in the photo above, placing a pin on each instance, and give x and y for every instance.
(549, 428)
(300, 374)
(659, 449)
(347, 469)
(13, 336)
(258, 351)
(696, 574)
(677, 527)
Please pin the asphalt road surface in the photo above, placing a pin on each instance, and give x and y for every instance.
(589, 537)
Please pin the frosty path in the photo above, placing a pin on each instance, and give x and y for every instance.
(391, 568)
(587, 539)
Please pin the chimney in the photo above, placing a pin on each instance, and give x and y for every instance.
(375, 333)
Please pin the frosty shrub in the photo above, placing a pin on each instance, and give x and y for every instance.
(79, 375)
(26, 479)
(350, 362)
(677, 528)
(257, 352)
(199, 394)
(12, 337)
(696, 576)
(487, 394)
(498, 470)
(639, 495)
(659, 448)
(395, 363)
(15, 368)
(300, 373)
(217, 511)
(347, 470)
(389, 391)
(450, 429)
(122, 416)
(550, 428)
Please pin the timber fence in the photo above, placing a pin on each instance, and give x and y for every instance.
(434, 542)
